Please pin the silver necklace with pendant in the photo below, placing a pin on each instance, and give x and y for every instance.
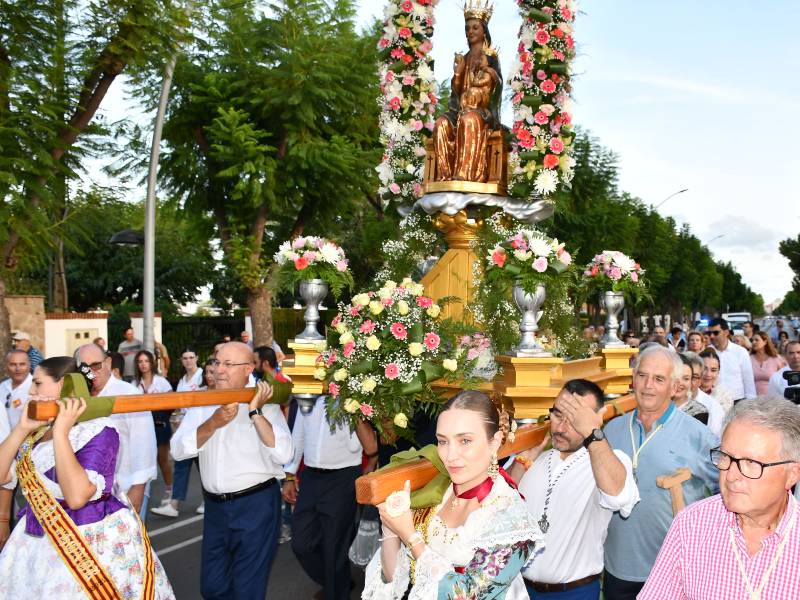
(544, 523)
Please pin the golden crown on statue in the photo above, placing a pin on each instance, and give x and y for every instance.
(477, 9)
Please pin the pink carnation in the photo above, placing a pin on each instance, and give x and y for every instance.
(399, 331)
(431, 341)
(333, 389)
(540, 264)
(387, 301)
(336, 320)
(392, 371)
(424, 302)
(408, 80)
(394, 103)
(310, 256)
(550, 161)
(300, 263)
(634, 277)
(348, 349)
(354, 311)
(499, 257)
(366, 410)
(331, 359)
(367, 327)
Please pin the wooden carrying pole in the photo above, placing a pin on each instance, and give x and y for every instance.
(375, 487)
(42, 411)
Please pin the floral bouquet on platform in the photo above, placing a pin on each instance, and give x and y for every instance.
(613, 271)
(529, 257)
(310, 257)
(386, 348)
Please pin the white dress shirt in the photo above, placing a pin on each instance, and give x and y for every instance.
(777, 384)
(314, 442)
(136, 461)
(14, 398)
(736, 371)
(234, 458)
(578, 513)
(159, 385)
(191, 385)
(716, 414)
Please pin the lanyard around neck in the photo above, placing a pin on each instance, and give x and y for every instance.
(636, 451)
(756, 594)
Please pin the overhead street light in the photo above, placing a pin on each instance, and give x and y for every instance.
(128, 238)
(672, 195)
(716, 237)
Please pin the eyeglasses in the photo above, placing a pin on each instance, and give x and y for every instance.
(96, 366)
(227, 364)
(752, 469)
(713, 332)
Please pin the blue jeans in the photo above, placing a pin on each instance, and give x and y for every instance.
(240, 539)
(180, 478)
(590, 591)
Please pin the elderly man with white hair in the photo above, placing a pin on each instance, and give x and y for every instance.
(744, 542)
(659, 439)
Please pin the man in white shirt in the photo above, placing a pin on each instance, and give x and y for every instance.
(777, 384)
(573, 490)
(324, 516)
(14, 390)
(242, 450)
(735, 366)
(136, 460)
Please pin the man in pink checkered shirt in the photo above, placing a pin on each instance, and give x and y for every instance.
(745, 543)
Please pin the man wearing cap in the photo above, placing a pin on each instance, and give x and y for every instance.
(22, 341)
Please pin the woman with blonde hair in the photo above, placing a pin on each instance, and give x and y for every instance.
(473, 542)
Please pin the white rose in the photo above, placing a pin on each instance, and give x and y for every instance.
(401, 420)
(345, 338)
(434, 310)
(351, 405)
(361, 299)
(375, 307)
(449, 364)
(398, 503)
(415, 348)
(368, 385)
(390, 285)
(402, 307)
(341, 328)
(320, 373)
(340, 374)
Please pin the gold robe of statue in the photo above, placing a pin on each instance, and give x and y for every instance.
(460, 135)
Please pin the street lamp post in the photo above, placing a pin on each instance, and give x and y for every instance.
(672, 195)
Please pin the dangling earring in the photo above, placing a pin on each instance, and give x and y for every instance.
(493, 469)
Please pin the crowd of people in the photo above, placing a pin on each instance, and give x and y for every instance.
(590, 508)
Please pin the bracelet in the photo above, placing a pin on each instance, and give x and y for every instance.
(290, 477)
(3, 519)
(415, 539)
(388, 537)
(524, 461)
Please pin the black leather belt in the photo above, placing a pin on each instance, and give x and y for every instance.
(321, 470)
(544, 588)
(226, 497)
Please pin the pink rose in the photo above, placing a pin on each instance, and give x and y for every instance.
(310, 256)
(565, 257)
(366, 410)
(540, 118)
(425, 47)
(394, 103)
(615, 273)
(348, 349)
(367, 327)
(541, 75)
(417, 125)
(556, 145)
(473, 353)
(408, 80)
(499, 257)
(298, 243)
(541, 37)
(424, 302)
(341, 265)
(431, 341)
(333, 389)
(550, 161)
(399, 331)
(634, 277)
(392, 371)
(394, 188)
(540, 264)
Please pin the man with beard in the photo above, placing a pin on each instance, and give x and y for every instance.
(573, 490)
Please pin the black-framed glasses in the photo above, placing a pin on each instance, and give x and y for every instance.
(713, 332)
(752, 469)
(228, 364)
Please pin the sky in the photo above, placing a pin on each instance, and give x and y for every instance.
(702, 96)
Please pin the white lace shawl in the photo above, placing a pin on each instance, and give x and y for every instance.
(44, 457)
(501, 520)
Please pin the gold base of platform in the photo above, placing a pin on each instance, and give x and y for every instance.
(469, 187)
(302, 365)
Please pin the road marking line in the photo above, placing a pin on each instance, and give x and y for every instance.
(174, 526)
(169, 549)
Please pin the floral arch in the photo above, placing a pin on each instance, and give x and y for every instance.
(542, 133)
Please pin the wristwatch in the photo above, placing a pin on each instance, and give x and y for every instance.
(596, 436)
(255, 412)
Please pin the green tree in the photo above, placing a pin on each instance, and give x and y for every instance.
(57, 62)
(790, 305)
(790, 248)
(272, 131)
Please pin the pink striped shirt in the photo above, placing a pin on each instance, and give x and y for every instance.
(697, 561)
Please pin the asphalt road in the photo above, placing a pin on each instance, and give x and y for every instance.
(177, 543)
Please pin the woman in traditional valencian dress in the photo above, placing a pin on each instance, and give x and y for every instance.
(476, 540)
(75, 539)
